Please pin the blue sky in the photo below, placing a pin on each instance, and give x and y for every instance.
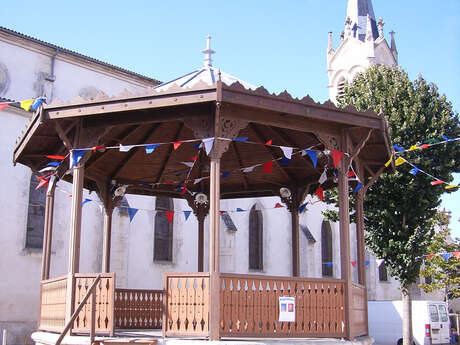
(278, 44)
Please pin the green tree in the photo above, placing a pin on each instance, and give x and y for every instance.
(399, 207)
(442, 272)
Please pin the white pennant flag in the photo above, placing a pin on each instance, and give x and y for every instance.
(47, 169)
(249, 169)
(189, 164)
(323, 177)
(126, 148)
(208, 144)
(198, 180)
(287, 151)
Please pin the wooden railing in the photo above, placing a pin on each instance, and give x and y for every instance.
(52, 304)
(358, 311)
(187, 304)
(104, 309)
(138, 309)
(249, 306)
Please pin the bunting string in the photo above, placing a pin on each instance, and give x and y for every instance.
(28, 104)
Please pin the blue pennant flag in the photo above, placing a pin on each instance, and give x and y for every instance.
(398, 148)
(358, 187)
(313, 156)
(447, 256)
(302, 207)
(414, 171)
(53, 164)
(150, 148)
(447, 139)
(38, 102)
(76, 157)
(239, 209)
(285, 161)
(85, 201)
(225, 174)
(143, 183)
(368, 262)
(187, 214)
(132, 212)
(241, 139)
(329, 264)
(197, 145)
(178, 174)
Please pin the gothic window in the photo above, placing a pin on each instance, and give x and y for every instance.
(256, 226)
(340, 88)
(163, 236)
(326, 249)
(36, 215)
(383, 274)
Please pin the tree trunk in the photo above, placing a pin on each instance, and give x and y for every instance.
(407, 317)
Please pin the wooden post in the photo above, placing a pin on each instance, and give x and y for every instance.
(108, 212)
(295, 241)
(201, 243)
(48, 229)
(344, 222)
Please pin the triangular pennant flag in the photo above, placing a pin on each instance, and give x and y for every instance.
(268, 167)
(43, 182)
(285, 161)
(3, 105)
(222, 212)
(400, 161)
(320, 193)
(446, 256)
(313, 156)
(358, 187)
(187, 214)
(194, 158)
(323, 177)
(278, 205)
(389, 161)
(76, 156)
(249, 169)
(38, 102)
(456, 254)
(424, 146)
(287, 151)
(47, 169)
(430, 256)
(197, 146)
(353, 263)
(413, 148)
(368, 262)
(208, 144)
(55, 157)
(132, 212)
(451, 186)
(398, 148)
(177, 144)
(189, 164)
(125, 148)
(336, 157)
(98, 148)
(329, 264)
(414, 171)
(435, 183)
(268, 142)
(302, 207)
(150, 148)
(184, 189)
(53, 164)
(241, 139)
(241, 210)
(225, 174)
(351, 173)
(26, 104)
(85, 201)
(199, 179)
(169, 216)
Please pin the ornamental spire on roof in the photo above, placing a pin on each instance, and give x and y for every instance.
(208, 52)
(357, 11)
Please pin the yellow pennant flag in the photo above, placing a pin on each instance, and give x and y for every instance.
(413, 147)
(400, 161)
(389, 161)
(27, 104)
(451, 186)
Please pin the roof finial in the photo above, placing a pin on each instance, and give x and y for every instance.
(208, 52)
(380, 25)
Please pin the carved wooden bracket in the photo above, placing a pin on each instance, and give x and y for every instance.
(199, 210)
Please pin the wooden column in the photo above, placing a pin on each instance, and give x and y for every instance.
(361, 248)
(201, 243)
(344, 222)
(106, 246)
(48, 229)
(295, 242)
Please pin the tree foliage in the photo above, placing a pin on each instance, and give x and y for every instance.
(399, 207)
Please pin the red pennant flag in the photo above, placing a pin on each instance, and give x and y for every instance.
(169, 182)
(222, 212)
(268, 167)
(336, 157)
(353, 263)
(169, 216)
(3, 105)
(456, 254)
(320, 193)
(424, 146)
(435, 183)
(177, 144)
(194, 158)
(42, 183)
(278, 205)
(351, 173)
(268, 142)
(55, 157)
(430, 256)
(184, 189)
(98, 148)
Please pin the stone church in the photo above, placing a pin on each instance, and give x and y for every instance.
(147, 245)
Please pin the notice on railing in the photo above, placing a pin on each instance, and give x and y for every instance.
(287, 309)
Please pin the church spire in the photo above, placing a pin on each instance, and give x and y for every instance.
(358, 11)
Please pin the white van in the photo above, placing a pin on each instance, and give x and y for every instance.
(430, 322)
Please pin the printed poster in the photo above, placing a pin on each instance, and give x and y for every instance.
(287, 309)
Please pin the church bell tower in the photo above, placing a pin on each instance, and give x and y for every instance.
(362, 44)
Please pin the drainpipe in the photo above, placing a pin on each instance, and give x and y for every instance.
(51, 77)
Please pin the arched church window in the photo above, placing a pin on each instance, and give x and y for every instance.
(256, 226)
(163, 233)
(35, 215)
(326, 249)
(383, 274)
(340, 88)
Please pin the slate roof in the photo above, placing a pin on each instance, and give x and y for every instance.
(358, 10)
